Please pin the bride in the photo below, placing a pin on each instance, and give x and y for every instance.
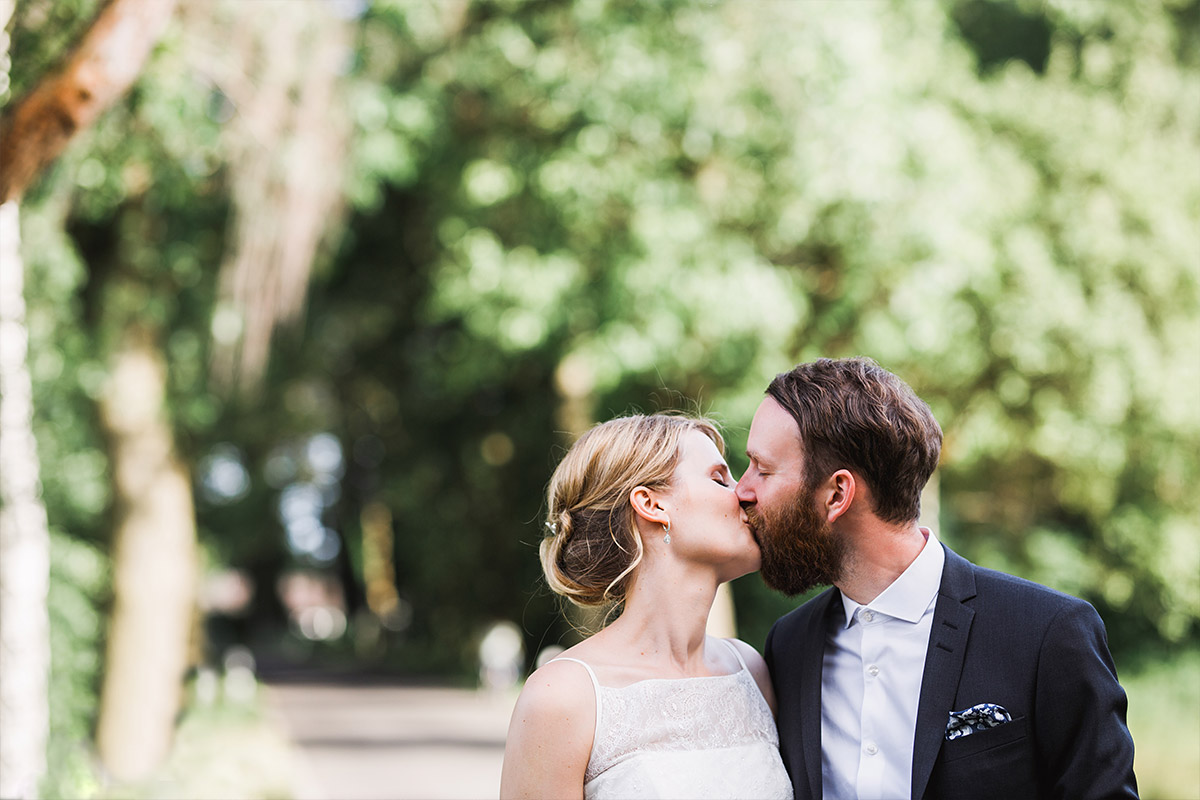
(642, 513)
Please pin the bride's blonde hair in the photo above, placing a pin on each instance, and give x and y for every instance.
(592, 544)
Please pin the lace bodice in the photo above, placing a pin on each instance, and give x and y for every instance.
(707, 737)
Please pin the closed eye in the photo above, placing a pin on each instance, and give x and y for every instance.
(722, 476)
(753, 469)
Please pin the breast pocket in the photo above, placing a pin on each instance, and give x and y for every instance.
(996, 764)
(1010, 734)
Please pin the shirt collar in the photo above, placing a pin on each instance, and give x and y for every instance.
(908, 596)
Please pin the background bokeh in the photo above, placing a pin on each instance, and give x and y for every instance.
(382, 260)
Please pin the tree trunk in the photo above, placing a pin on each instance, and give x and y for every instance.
(154, 567)
(98, 71)
(286, 147)
(24, 543)
(33, 133)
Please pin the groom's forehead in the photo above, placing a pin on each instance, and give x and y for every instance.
(773, 432)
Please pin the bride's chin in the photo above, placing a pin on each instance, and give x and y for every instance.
(744, 566)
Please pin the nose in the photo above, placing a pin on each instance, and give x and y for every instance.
(745, 494)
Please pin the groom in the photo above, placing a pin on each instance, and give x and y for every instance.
(919, 674)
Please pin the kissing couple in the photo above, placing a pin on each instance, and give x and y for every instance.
(916, 675)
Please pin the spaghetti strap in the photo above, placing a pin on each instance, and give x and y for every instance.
(737, 653)
(591, 674)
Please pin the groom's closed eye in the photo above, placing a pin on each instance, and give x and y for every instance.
(758, 469)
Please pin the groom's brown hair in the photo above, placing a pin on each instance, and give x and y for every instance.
(853, 414)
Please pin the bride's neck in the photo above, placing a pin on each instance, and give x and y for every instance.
(665, 619)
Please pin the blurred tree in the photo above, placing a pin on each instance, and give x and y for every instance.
(32, 134)
(24, 543)
(286, 146)
(24, 539)
(569, 210)
(565, 211)
(146, 207)
(274, 90)
(92, 77)
(154, 564)
(1070, 436)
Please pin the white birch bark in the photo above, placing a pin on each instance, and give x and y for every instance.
(24, 543)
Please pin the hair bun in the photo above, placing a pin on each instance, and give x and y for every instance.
(593, 544)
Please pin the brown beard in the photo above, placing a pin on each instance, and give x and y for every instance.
(799, 548)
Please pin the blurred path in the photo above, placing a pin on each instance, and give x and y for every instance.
(389, 742)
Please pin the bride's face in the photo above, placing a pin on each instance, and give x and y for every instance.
(707, 522)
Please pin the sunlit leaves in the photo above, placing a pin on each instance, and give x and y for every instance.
(609, 203)
(515, 294)
(741, 186)
(487, 182)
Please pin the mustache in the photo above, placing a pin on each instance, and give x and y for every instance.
(754, 519)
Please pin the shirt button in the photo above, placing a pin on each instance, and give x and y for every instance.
(871, 748)
(873, 670)
(868, 616)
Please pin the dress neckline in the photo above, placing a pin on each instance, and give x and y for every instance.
(596, 681)
(739, 671)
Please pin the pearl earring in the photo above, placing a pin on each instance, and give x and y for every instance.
(667, 529)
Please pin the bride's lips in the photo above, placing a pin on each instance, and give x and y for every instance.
(746, 522)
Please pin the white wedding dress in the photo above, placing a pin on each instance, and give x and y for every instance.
(709, 737)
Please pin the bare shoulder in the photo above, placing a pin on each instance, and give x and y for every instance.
(758, 668)
(559, 686)
(550, 735)
(559, 695)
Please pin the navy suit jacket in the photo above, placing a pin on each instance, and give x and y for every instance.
(1040, 654)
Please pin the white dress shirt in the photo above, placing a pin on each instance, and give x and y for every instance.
(871, 684)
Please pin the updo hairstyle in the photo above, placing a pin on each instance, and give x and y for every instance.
(593, 545)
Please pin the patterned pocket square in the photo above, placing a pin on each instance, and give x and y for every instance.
(975, 718)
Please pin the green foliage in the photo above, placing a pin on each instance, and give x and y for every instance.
(1088, 400)
(118, 230)
(66, 378)
(567, 200)
(79, 583)
(564, 211)
(222, 748)
(41, 33)
(1164, 702)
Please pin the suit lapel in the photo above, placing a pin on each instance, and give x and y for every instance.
(943, 665)
(810, 699)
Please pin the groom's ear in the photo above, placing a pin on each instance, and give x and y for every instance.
(645, 505)
(839, 492)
